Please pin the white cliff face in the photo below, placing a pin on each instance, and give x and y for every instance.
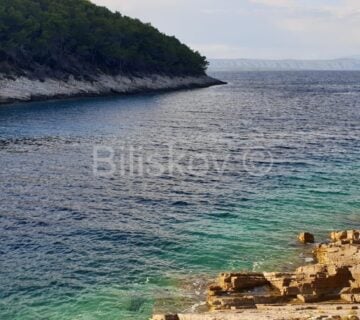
(25, 89)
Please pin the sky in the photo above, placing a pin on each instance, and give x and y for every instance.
(256, 29)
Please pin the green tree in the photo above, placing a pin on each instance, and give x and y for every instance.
(78, 37)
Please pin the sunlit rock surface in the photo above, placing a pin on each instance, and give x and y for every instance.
(328, 289)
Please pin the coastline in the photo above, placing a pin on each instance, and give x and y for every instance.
(327, 288)
(25, 89)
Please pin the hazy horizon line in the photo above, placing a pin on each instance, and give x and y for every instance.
(287, 59)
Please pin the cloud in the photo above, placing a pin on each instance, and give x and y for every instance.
(276, 3)
(218, 51)
(137, 5)
(339, 9)
(347, 8)
(254, 28)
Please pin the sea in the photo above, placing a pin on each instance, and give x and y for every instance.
(117, 207)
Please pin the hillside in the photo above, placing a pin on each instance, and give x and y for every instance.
(59, 49)
(73, 36)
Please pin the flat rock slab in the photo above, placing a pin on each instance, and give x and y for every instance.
(286, 312)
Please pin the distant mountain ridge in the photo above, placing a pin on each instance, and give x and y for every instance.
(283, 65)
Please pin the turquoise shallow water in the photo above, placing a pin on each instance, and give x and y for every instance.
(254, 163)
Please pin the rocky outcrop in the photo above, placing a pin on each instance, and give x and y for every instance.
(283, 312)
(343, 252)
(349, 236)
(27, 89)
(335, 276)
(334, 280)
(306, 237)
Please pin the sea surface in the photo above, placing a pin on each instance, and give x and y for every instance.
(111, 208)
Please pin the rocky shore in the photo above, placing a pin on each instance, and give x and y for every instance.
(23, 88)
(326, 289)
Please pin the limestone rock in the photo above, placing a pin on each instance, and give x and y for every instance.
(336, 276)
(165, 317)
(348, 236)
(241, 281)
(27, 89)
(306, 237)
(338, 253)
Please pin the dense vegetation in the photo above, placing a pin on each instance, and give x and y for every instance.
(78, 37)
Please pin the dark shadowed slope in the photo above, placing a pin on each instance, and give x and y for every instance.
(77, 37)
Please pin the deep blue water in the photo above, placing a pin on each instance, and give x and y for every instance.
(206, 180)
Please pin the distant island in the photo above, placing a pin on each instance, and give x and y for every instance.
(346, 64)
(52, 49)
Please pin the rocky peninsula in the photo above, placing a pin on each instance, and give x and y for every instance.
(329, 288)
(24, 88)
(51, 49)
